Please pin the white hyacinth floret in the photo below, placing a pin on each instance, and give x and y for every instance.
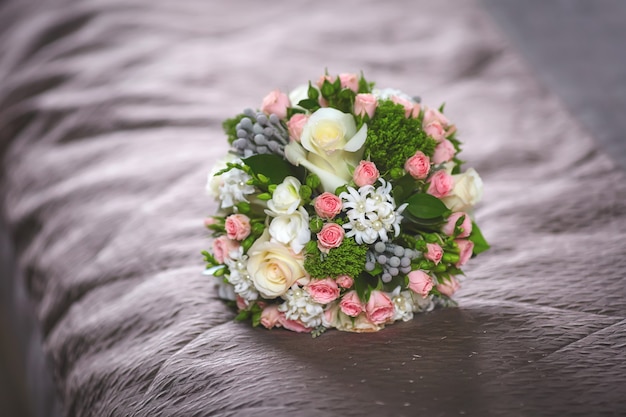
(371, 213)
(298, 305)
(239, 276)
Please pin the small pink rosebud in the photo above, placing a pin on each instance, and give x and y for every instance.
(365, 173)
(275, 103)
(365, 104)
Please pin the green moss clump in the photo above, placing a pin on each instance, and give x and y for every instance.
(392, 138)
(347, 259)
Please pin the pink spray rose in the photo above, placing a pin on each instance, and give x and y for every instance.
(222, 247)
(410, 109)
(270, 316)
(420, 282)
(418, 165)
(365, 104)
(448, 228)
(351, 304)
(327, 205)
(449, 287)
(209, 221)
(441, 184)
(433, 252)
(466, 248)
(350, 81)
(275, 103)
(345, 281)
(444, 152)
(323, 291)
(295, 126)
(237, 226)
(330, 237)
(435, 130)
(365, 173)
(323, 78)
(434, 115)
(379, 309)
(293, 325)
(241, 302)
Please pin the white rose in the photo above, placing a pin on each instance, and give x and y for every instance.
(467, 191)
(273, 267)
(286, 197)
(291, 229)
(298, 94)
(329, 147)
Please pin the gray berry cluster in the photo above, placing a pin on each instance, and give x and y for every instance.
(258, 133)
(394, 259)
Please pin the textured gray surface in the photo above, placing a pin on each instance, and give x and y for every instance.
(109, 121)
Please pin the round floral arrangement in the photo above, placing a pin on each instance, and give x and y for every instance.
(341, 206)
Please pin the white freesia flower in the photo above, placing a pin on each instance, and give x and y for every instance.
(298, 305)
(371, 213)
(286, 197)
(239, 277)
(387, 93)
(467, 191)
(403, 304)
(291, 229)
(329, 147)
(230, 187)
(273, 267)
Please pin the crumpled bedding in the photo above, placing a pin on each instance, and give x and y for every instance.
(110, 115)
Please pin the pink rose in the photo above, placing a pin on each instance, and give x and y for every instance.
(441, 184)
(323, 291)
(365, 104)
(434, 115)
(466, 248)
(241, 302)
(270, 316)
(410, 109)
(328, 205)
(295, 125)
(420, 282)
(433, 252)
(418, 165)
(237, 226)
(449, 287)
(330, 237)
(275, 103)
(351, 304)
(209, 221)
(379, 309)
(293, 325)
(444, 152)
(323, 78)
(345, 281)
(350, 81)
(448, 228)
(365, 173)
(435, 131)
(222, 247)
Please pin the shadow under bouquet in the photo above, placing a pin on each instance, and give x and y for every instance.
(341, 206)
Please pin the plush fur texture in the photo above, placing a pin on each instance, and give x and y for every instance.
(110, 117)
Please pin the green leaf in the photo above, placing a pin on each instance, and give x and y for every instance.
(426, 207)
(403, 188)
(243, 315)
(272, 166)
(313, 93)
(309, 104)
(364, 284)
(480, 243)
(328, 89)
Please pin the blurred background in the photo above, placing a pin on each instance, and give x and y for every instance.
(574, 48)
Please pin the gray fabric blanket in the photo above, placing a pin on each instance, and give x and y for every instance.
(110, 114)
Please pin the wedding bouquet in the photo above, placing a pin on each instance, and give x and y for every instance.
(341, 206)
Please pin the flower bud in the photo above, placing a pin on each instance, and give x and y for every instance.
(243, 207)
(313, 181)
(316, 224)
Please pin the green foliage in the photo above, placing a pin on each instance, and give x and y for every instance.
(480, 243)
(347, 259)
(364, 285)
(271, 168)
(424, 206)
(392, 138)
(230, 127)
